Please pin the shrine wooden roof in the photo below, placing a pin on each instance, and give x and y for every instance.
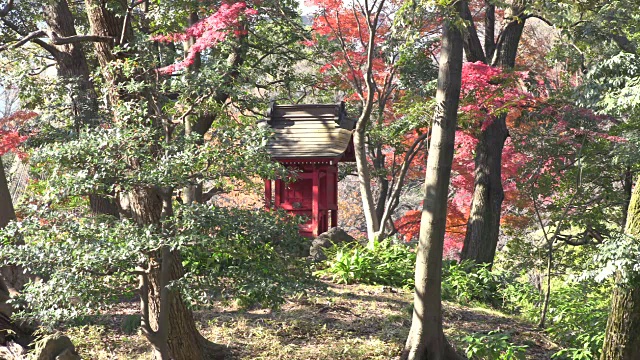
(309, 131)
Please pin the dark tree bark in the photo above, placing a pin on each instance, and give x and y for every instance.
(7, 212)
(489, 28)
(622, 338)
(177, 337)
(72, 63)
(483, 225)
(73, 70)
(174, 335)
(105, 22)
(472, 47)
(426, 338)
(10, 278)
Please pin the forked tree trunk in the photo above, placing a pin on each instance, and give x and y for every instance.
(483, 225)
(146, 204)
(622, 338)
(426, 339)
(183, 341)
(73, 70)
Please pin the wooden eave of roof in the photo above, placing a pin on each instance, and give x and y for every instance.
(309, 131)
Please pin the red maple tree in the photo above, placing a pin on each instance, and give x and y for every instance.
(209, 32)
(10, 138)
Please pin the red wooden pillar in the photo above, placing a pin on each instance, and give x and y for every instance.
(278, 190)
(267, 194)
(315, 201)
(334, 194)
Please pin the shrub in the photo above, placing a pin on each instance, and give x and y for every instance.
(466, 281)
(385, 264)
(578, 313)
(492, 346)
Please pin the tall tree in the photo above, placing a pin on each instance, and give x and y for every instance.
(151, 106)
(11, 278)
(426, 338)
(64, 46)
(483, 225)
(622, 337)
(168, 323)
(368, 64)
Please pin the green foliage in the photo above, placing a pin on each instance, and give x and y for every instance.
(584, 353)
(520, 297)
(578, 313)
(466, 281)
(89, 263)
(492, 346)
(618, 256)
(386, 264)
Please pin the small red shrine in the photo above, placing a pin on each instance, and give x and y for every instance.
(310, 139)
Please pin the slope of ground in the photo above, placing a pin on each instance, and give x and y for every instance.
(344, 322)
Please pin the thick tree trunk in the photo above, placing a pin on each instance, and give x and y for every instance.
(622, 338)
(147, 205)
(73, 70)
(72, 63)
(426, 339)
(483, 225)
(105, 22)
(10, 278)
(7, 212)
(183, 341)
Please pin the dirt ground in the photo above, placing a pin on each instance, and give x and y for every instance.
(344, 322)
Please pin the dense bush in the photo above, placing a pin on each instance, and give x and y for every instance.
(492, 346)
(466, 281)
(578, 312)
(228, 254)
(384, 264)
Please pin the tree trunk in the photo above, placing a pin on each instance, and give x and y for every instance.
(72, 63)
(73, 70)
(6, 204)
(622, 337)
(104, 21)
(483, 225)
(364, 182)
(381, 201)
(426, 339)
(547, 293)
(183, 341)
(10, 278)
(147, 205)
